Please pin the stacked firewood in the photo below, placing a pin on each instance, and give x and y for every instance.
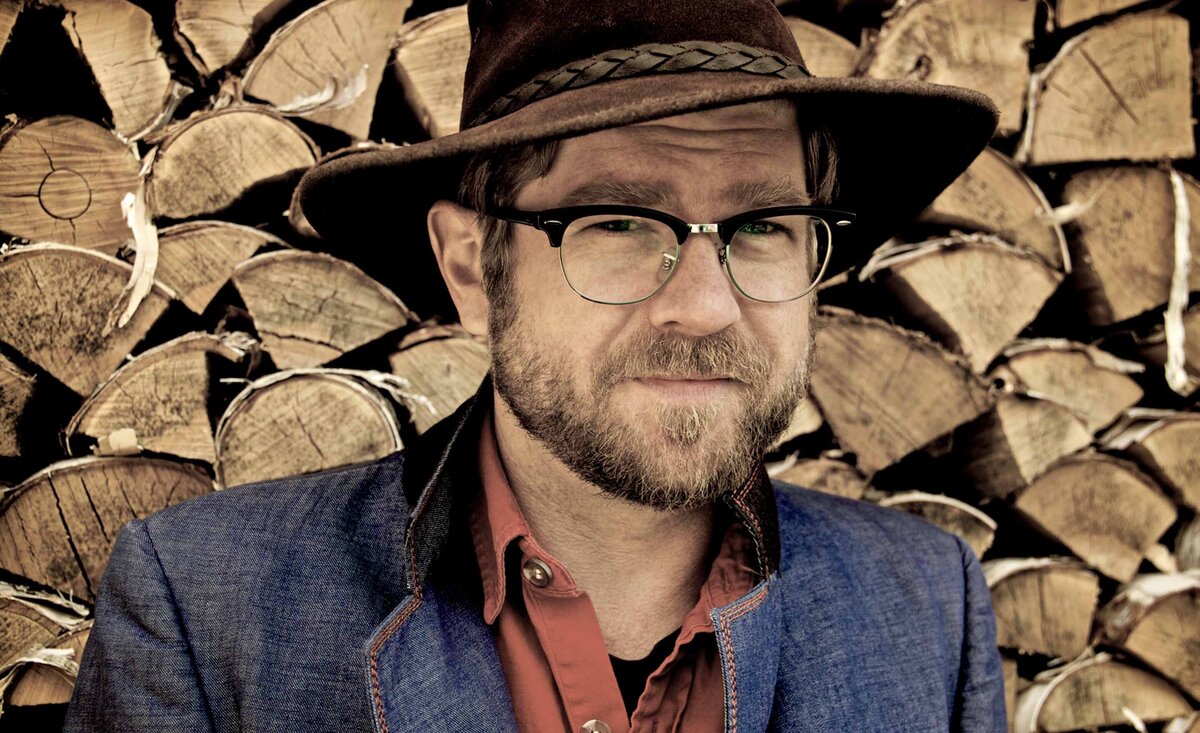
(1020, 366)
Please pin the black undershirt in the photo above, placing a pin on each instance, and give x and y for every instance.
(632, 673)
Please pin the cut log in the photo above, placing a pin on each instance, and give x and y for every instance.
(1165, 445)
(887, 392)
(1008, 667)
(825, 52)
(215, 33)
(1006, 448)
(974, 292)
(824, 474)
(335, 87)
(966, 43)
(1094, 692)
(310, 308)
(976, 528)
(59, 303)
(162, 396)
(806, 420)
(1154, 348)
(1070, 12)
(63, 181)
(208, 162)
(1187, 545)
(994, 196)
(1092, 384)
(117, 40)
(1184, 724)
(1105, 510)
(298, 422)
(39, 631)
(431, 64)
(196, 259)
(10, 10)
(1042, 605)
(16, 387)
(1119, 91)
(39, 683)
(59, 525)
(1157, 619)
(1123, 241)
(445, 371)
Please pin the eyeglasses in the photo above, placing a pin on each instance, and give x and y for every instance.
(618, 255)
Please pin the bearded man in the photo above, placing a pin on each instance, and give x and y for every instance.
(636, 214)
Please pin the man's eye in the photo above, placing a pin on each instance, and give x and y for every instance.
(759, 228)
(616, 225)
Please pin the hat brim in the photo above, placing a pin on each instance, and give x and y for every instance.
(899, 143)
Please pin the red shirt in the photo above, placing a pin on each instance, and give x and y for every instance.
(549, 641)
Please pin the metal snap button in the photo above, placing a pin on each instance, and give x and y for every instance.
(595, 726)
(539, 574)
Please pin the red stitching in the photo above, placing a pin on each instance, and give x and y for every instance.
(387, 632)
(727, 617)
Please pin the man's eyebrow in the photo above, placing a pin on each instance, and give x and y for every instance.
(762, 193)
(618, 192)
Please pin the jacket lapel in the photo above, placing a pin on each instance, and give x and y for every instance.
(435, 668)
(747, 633)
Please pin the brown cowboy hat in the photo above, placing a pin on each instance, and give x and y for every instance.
(545, 69)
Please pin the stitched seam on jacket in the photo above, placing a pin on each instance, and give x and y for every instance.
(739, 501)
(726, 618)
(387, 632)
(178, 619)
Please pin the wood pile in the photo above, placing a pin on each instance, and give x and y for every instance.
(1020, 366)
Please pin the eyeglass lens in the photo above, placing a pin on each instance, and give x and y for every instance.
(623, 259)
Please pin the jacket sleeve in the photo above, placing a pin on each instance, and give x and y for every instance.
(137, 671)
(980, 705)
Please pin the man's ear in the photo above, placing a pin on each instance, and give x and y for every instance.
(457, 241)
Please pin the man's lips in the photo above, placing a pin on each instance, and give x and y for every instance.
(687, 386)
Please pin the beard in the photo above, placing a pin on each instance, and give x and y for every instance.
(660, 455)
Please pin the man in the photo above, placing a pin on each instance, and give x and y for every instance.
(636, 214)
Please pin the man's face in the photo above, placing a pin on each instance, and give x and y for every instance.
(670, 401)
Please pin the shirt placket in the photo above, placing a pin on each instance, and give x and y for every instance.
(569, 633)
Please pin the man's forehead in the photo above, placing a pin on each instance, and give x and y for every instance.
(749, 193)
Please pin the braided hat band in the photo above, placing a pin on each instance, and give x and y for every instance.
(650, 58)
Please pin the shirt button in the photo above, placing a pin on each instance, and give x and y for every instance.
(538, 573)
(595, 726)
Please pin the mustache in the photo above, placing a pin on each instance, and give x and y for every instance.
(729, 354)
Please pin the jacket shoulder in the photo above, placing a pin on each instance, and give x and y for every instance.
(859, 530)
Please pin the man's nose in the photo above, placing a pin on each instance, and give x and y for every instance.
(699, 299)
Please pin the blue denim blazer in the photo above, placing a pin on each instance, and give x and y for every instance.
(349, 600)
